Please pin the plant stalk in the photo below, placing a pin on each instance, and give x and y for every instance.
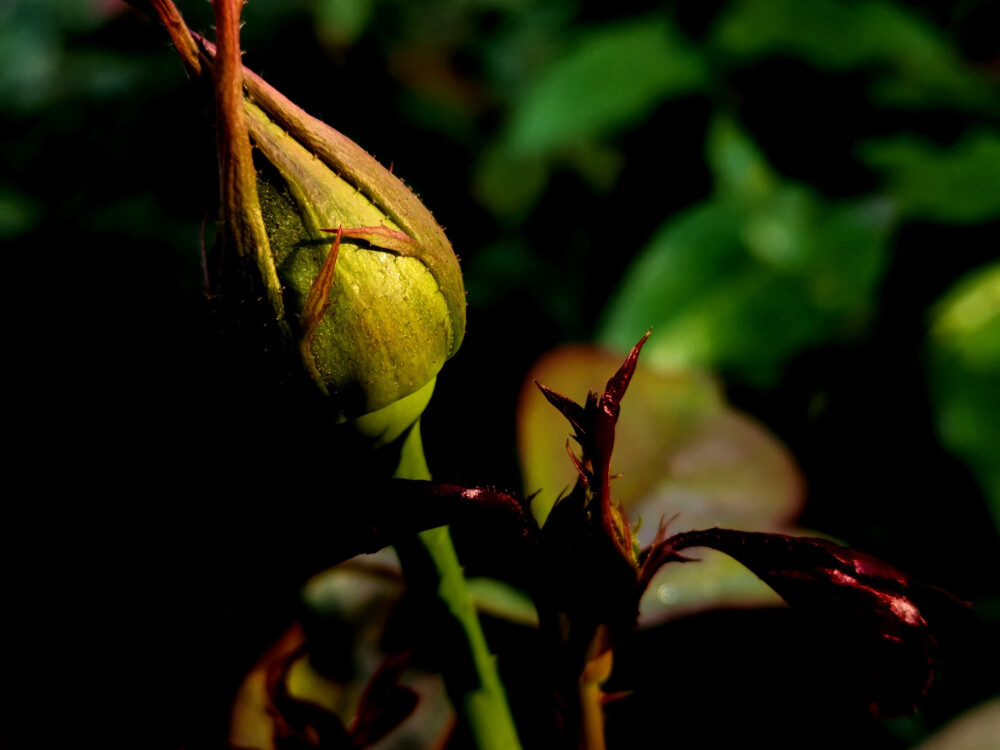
(482, 702)
(591, 716)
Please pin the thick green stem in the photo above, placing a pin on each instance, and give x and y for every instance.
(482, 701)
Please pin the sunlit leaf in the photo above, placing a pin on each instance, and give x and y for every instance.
(748, 291)
(611, 78)
(964, 352)
(958, 184)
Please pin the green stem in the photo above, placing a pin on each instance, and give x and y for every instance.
(481, 702)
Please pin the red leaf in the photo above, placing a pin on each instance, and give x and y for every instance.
(869, 603)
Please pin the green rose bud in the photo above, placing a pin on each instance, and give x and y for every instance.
(355, 268)
(394, 308)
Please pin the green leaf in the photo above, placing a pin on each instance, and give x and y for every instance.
(914, 65)
(748, 290)
(964, 359)
(978, 727)
(714, 581)
(828, 33)
(19, 212)
(747, 280)
(741, 172)
(343, 21)
(510, 186)
(501, 600)
(611, 78)
(959, 184)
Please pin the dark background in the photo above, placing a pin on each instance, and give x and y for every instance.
(158, 475)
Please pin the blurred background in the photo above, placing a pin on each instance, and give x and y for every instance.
(802, 199)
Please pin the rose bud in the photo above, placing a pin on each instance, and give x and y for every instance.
(382, 305)
(359, 277)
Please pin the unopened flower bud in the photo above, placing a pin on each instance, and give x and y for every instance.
(354, 265)
(394, 310)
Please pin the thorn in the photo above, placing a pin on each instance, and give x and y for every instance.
(576, 463)
(607, 698)
(566, 406)
(661, 529)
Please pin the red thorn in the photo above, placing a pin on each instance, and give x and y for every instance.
(573, 412)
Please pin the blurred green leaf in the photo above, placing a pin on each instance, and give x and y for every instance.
(715, 580)
(748, 279)
(19, 213)
(29, 60)
(610, 79)
(502, 268)
(341, 22)
(913, 64)
(510, 186)
(43, 61)
(959, 184)
(965, 375)
(976, 729)
(741, 173)
(501, 600)
(329, 660)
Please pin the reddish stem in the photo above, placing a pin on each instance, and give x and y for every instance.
(179, 33)
(237, 179)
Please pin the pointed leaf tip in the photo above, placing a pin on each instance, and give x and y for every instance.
(618, 384)
(574, 413)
